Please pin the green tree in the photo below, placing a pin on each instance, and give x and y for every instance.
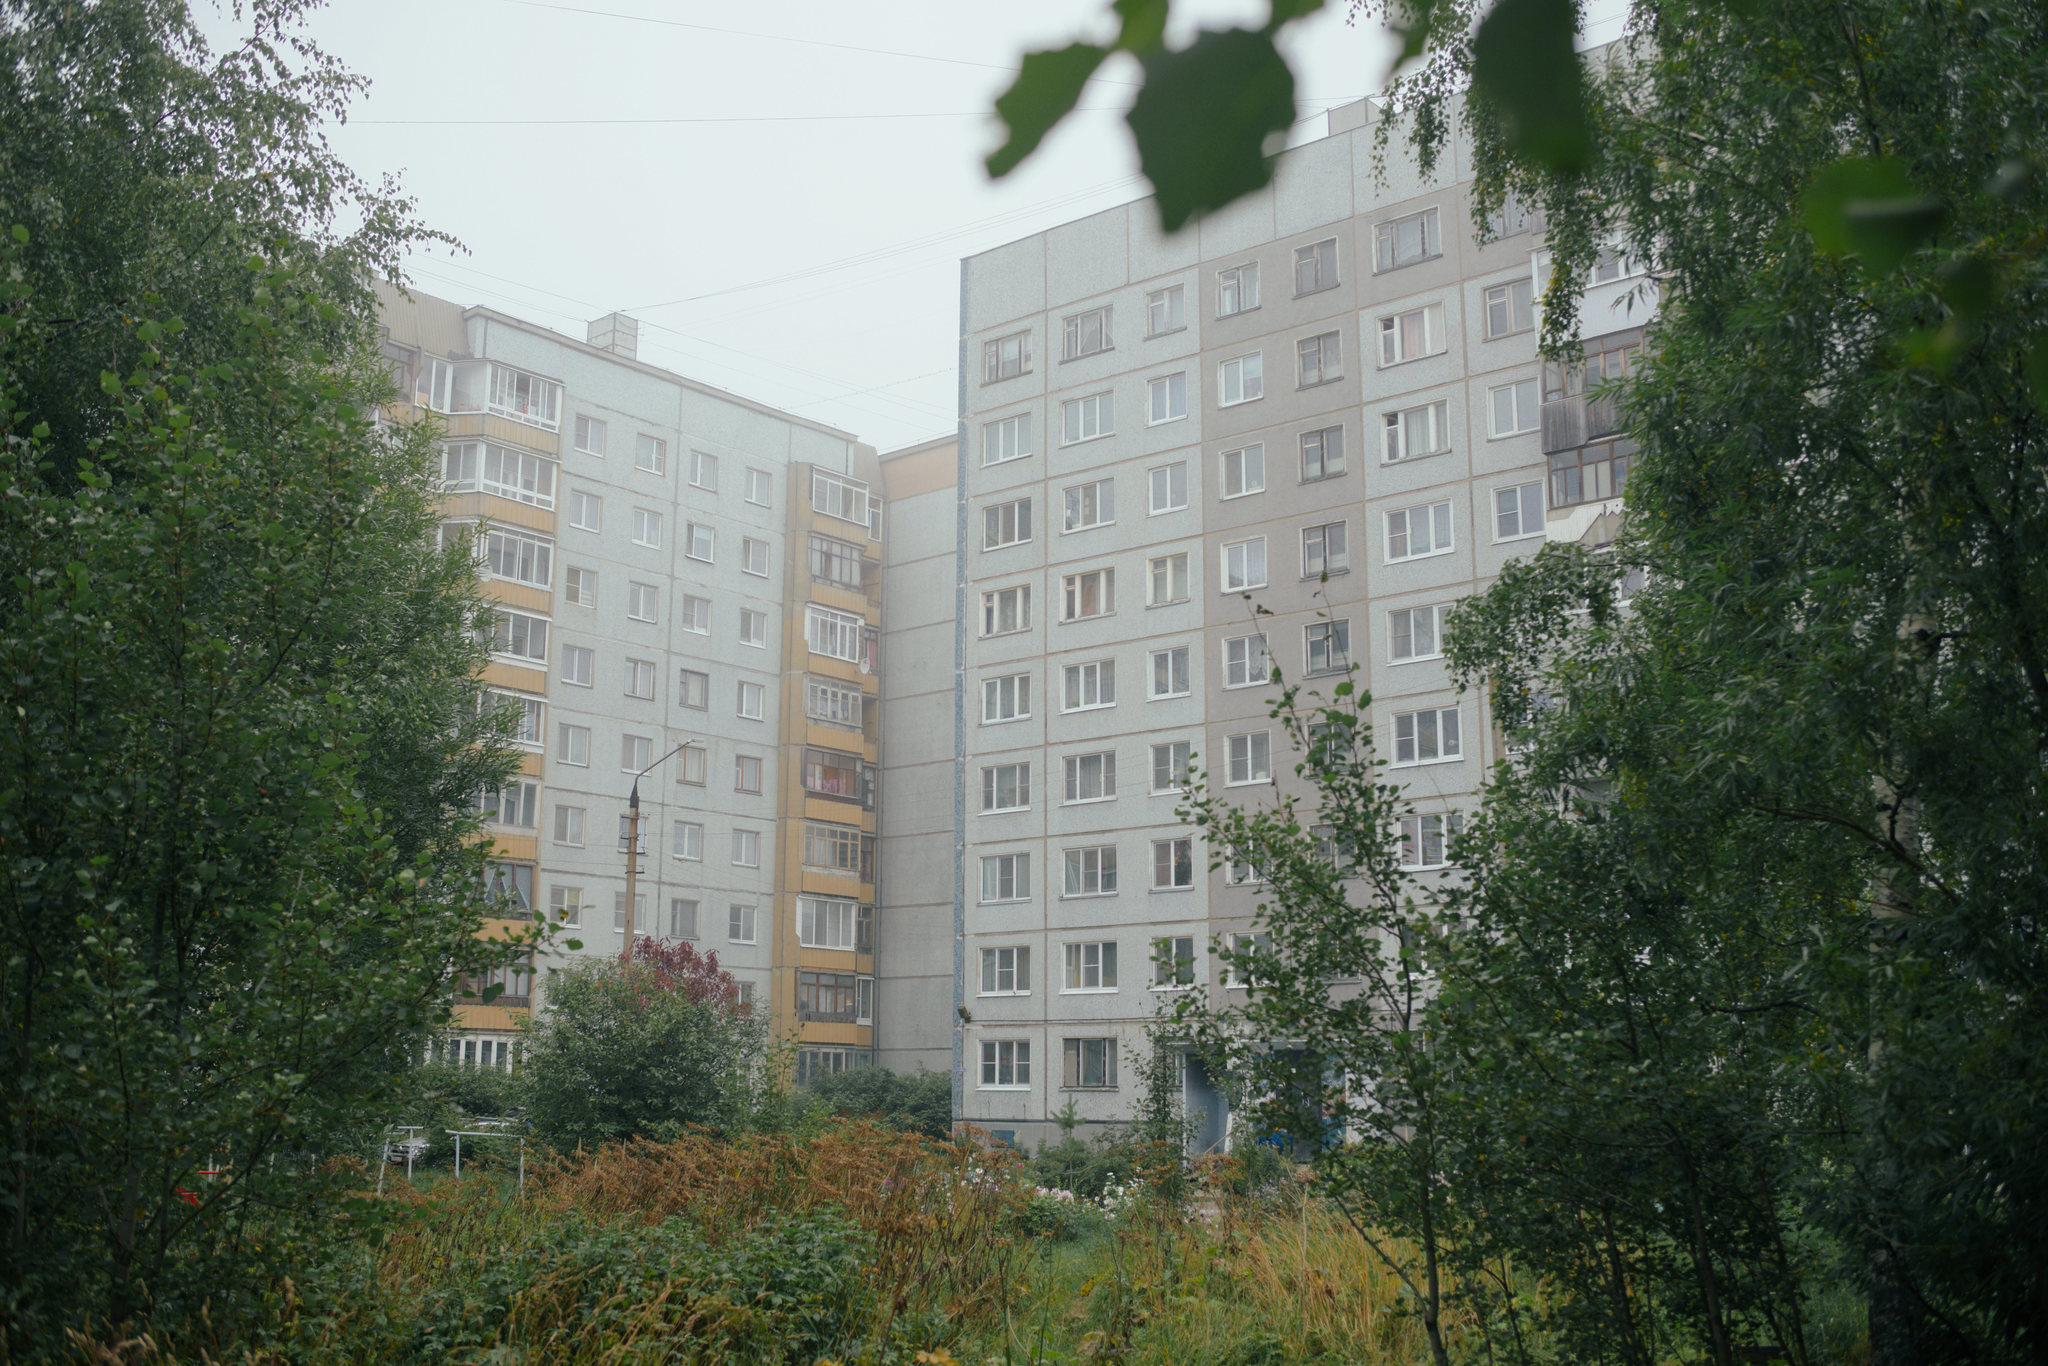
(921, 1102)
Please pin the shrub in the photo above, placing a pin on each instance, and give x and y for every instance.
(921, 1103)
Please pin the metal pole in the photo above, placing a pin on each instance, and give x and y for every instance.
(458, 1157)
(632, 860)
(522, 1164)
(383, 1161)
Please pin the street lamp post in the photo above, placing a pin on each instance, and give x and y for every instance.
(633, 842)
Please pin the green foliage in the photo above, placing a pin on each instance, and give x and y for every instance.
(1204, 117)
(921, 1103)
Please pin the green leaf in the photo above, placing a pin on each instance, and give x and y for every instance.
(1144, 24)
(1287, 11)
(1045, 91)
(493, 992)
(2012, 178)
(2036, 367)
(1523, 61)
(1203, 117)
(1967, 285)
(1868, 207)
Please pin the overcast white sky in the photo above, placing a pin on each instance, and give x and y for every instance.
(780, 192)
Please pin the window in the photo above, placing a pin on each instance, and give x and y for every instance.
(565, 905)
(650, 453)
(1513, 217)
(835, 635)
(1518, 511)
(746, 849)
(647, 527)
(682, 918)
(1006, 357)
(1329, 646)
(693, 689)
(1091, 872)
(577, 665)
(1091, 593)
(1404, 241)
(760, 487)
(1240, 380)
(1006, 877)
(590, 435)
(1321, 358)
(1250, 757)
(530, 713)
(1091, 967)
(833, 702)
(753, 557)
(1426, 737)
(519, 558)
(1322, 453)
(1006, 972)
(640, 678)
(1245, 662)
(641, 599)
(1173, 960)
(1088, 685)
(579, 587)
(586, 511)
(1407, 336)
(636, 752)
(1612, 264)
(837, 496)
(1084, 419)
(509, 882)
(1084, 334)
(1244, 564)
(752, 699)
(1590, 474)
(1244, 471)
(753, 627)
(1006, 787)
(830, 773)
(1089, 505)
(1508, 310)
(1168, 397)
(1004, 610)
(1090, 777)
(1512, 408)
(1008, 439)
(1089, 1064)
(1166, 579)
(572, 745)
(687, 841)
(520, 636)
(1247, 948)
(1004, 524)
(1415, 532)
(739, 924)
(569, 825)
(1173, 865)
(1169, 487)
(832, 561)
(639, 913)
(1425, 840)
(1237, 289)
(525, 398)
(698, 542)
(840, 849)
(1170, 766)
(746, 773)
(490, 468)
(1005, 1063)
(704, 470)
(1324, 550)
(1170, 673)
(696, 615)
(1415, 633)
(1164, 310)
(825, 922)
(692, 764)
(1413, 432)
(1315, 266)
(1007, 698)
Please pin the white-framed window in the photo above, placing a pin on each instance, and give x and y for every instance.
(650, 453)
(1165, 310)
(1409, 433)
(1322, 454)
(752, 700)
(639, 913)
(739, 924)
(520, 636)
(1418, 531)
(1005, 1064)
(1170, 673)
(578, 664)
(686, 841)
(1091, 966)
(1244, 564)
(1245, 662)
(695, 615)
(572, 745)
(1406, 240)
(1173, 868)
(1325, 549)
(532, 717)
(1511, 408)
(565, 905)
(1006, 971)
(569, 825)
(760, 487)
(1173, 959)
(1166, 579)
(640, 678)
(1167, 397)
(754, 557)
(1006, 357)
(1426, 840)
(1005, 698)
(642, 600)
(636, 752)
(1085, 334)
(1512, 218)
(1005, 877)
(699, 541)
(1006, 438)
(834, 703)
(1237, 289)
(1328, 646)
(826, 923)
(586, 511)
(1088, 1064)
(746, 849)
(1412, 334)
(1006, 787)
(1243, 471)
(1518, 512)
(1315, 266)
(1240, 380)
(833, 561)
(1168, 485)
(1006, 524)
(682, 917)
(1320, 358)
(487, 467)
(1087, 417)
(746, 773)
(516, 803)
(1249, 947)
(647, 527)
(1170, 765)
(704, 470)
(1091, 593)
(1508, 309)
(579, 586)
(835, 495)
(1004, 610)
(590, 435)
(1612, 264)
(1090, 777)
(836, 635)
(1249, 758)
(518, 557)
(753, 627)
(1090, 871)
(1416, 632)
(1088, 505)
(1087, 686)
(1429, 736)
(693, 765)
(693, 689)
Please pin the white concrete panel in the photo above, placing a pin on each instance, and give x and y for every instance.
(1313, 188)
(1005, 283)
(1086, 257)
(1240, 227)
